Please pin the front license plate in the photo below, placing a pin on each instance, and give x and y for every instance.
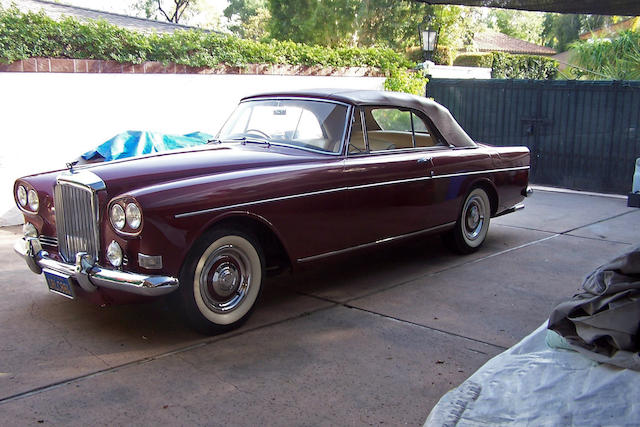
(59, 283)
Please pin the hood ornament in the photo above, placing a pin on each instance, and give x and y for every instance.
(70, 166)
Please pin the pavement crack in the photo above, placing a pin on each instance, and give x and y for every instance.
(375, 313)
(199, 344)
(598, 222)
(598, 239)
(346, 304)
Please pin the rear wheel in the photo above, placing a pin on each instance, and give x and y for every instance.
(473, 223)
(221, 281)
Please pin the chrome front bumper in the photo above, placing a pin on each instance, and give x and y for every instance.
(90, 277)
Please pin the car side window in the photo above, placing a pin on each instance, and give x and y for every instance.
(390, 128)
(356, 140)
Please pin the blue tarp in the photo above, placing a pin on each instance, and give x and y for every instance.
(137, 143)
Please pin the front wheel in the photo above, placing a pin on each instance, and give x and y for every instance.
(473, 223)
(221, 281)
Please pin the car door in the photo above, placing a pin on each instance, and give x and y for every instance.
(391, 161)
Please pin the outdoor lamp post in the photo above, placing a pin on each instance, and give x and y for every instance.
(428, 38)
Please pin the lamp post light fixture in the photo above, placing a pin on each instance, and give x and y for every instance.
(428, 38)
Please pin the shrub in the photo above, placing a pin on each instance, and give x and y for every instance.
(443, 55)
(406, 81)
(506, 66)
(26, 35)
(474, 60)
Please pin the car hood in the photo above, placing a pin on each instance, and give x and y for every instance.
(127, 175)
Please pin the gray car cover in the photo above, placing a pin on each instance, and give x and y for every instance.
(603, 321)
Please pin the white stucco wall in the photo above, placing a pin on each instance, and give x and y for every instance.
(454, 72)
(48, 119)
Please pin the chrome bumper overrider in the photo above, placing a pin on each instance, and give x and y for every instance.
(90, 277)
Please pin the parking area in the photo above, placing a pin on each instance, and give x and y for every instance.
(372, 338)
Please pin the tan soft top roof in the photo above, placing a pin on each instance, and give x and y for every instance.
(439, 115)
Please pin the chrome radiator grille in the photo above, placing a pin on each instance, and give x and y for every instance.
(76, 220)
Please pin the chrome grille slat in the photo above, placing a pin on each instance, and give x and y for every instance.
(49, 241)
(76, 220)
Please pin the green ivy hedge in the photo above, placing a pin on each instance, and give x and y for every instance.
(474, 60)
(506, 66)
(25, 35)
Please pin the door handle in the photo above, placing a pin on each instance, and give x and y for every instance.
(426, 160)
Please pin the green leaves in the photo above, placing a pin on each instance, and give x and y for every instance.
(474, 60)
(506, 66)
(406, 81)
(616, 58)
(26, 35)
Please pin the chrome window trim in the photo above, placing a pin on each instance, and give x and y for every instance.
(347, 116)
(334, 190)
(402, 151)
(433, 131)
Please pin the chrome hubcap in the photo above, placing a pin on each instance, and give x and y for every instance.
(474, 218)
(225, 279)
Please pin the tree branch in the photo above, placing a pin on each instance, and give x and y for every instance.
(162, 10)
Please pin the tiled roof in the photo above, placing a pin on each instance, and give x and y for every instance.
(492, 41)
(629, 24)
(58, 10)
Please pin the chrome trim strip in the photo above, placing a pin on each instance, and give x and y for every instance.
(334, 190)
(257, 202)
(481, 172)
(377, 242)
(140, 284)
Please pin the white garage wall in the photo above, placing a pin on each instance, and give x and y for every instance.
(48, 119)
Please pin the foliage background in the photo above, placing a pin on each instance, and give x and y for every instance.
(616, 58)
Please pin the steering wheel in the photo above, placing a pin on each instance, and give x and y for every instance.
(259, 132)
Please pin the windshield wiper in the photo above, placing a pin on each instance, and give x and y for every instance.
(243, 140)
(214, 141)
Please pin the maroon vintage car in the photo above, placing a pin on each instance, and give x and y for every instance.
(291, 178)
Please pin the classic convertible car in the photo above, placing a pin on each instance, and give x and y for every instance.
(291, 178)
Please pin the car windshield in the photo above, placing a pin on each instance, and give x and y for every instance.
(314, 125)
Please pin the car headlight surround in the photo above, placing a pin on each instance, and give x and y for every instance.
(126, 216)
(33, 201)
(21, 196)
(133, 216)
(117, 216)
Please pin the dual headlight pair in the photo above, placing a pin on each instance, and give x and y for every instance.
(125, 216)
(28, 199)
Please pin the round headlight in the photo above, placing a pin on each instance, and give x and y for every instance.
(114, 254)
(32, 199)
(22, 196)
(117, 216)
(134, 216)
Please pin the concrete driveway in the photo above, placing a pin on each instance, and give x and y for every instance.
(374, 338)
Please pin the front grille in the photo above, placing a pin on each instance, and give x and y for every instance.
(76, 220)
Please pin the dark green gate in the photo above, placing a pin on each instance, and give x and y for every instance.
(583, 135)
